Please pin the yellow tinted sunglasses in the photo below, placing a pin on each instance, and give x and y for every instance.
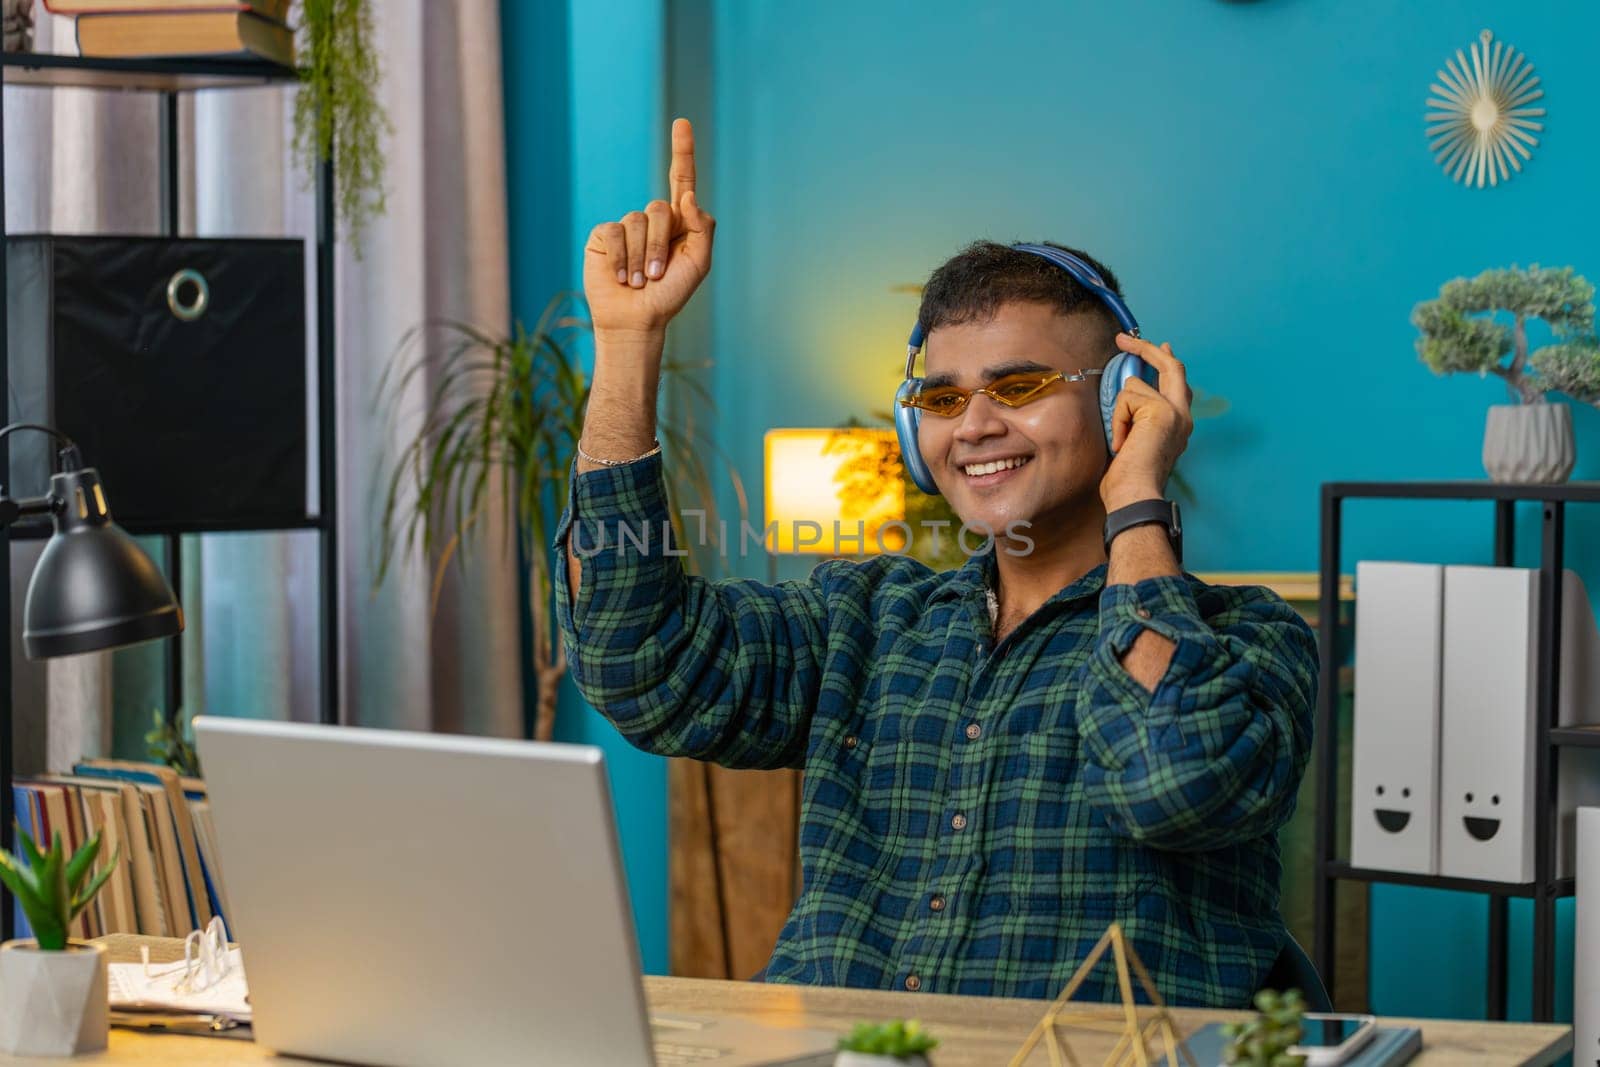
(1013, 390)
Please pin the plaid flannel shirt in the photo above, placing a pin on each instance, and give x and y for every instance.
(972, 816)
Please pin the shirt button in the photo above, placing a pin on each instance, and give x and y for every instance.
(850, 742)
(1143, 613)
(958, 821)
(974, 731)
(936, 902)
(913, 983)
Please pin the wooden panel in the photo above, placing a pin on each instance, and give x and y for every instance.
(732, 883)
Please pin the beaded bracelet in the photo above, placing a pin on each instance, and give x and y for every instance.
(617, 462)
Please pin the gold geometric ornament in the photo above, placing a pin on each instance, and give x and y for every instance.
(1140, 1042)
(1481, 121)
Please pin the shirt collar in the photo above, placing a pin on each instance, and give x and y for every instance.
(977, 574)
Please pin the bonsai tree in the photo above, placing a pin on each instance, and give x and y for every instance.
(52, 889)
(1572, 368)
(1265, 1041)
(898, 1039)
(1460, 331)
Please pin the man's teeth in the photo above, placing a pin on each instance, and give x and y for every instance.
(976, 469)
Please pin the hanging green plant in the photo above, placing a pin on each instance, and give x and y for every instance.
(337, 113)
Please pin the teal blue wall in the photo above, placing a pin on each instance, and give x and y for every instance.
(1256, 173)
(584, 113)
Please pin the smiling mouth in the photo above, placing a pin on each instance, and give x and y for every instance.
(1391, 820)
(1481, 829)
(981, 470)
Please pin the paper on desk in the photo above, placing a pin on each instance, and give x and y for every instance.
(131, 989)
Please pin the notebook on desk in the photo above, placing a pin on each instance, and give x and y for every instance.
(422, 900)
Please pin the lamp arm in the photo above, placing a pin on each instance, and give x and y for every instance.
(67, 456)
(13, 510)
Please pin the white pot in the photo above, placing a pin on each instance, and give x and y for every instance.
(53, 1003)
(872, 1059)
(1528, 443)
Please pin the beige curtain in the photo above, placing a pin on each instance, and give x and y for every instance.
(81, 161)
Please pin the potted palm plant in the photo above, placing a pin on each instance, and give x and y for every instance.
(506, 411)
(53, 997)
(1462, 330)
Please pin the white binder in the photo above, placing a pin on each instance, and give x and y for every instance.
(1487, 807)
(1586, 954)
(1395, 775)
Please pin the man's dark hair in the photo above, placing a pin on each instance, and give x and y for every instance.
(974, 283)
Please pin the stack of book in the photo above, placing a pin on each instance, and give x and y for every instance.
(158, 825)
(169, 28)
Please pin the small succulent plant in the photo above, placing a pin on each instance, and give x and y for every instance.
(1265, 1041)
(52, 889)
(899, 1038)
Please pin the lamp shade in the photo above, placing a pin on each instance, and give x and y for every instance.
(834, 491)
(93, 587)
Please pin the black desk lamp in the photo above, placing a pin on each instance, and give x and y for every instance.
(92, 589)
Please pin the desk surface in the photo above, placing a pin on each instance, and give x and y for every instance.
(974, 1031)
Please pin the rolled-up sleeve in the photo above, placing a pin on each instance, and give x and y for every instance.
(1214, 756)
(719, 670)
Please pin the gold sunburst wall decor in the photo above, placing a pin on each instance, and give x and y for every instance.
(1480, 122)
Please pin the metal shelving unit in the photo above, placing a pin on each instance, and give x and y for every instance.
(1546, 888)
(170, 78)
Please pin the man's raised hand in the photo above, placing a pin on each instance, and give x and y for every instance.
(640, 270)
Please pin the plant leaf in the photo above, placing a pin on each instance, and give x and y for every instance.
(20, 882)
(30, 851)
(82, 899)
(82, 860)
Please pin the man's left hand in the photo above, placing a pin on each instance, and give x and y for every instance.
(1150, 428)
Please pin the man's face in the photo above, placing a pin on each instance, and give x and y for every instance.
(1054, 446)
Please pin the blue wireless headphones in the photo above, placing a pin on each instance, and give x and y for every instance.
(1123, 365)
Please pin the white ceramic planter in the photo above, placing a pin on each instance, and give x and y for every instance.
(53, 1003)
(1528, 443)
(869, 1059)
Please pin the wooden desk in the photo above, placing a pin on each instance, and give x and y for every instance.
(974, 1031)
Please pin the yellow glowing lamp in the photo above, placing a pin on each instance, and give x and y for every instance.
(833, 492)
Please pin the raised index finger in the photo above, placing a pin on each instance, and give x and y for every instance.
(681, 176)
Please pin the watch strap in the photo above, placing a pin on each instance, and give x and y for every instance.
(1143, 513)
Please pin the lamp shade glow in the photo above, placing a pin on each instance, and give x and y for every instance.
(832, 491)
(93, 587)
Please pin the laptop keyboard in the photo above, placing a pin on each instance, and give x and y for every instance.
(670, 1055)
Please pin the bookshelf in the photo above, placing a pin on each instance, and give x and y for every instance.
(1546, 888)
(169, 79)
(139, 75)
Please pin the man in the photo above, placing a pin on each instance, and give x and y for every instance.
(999, 760)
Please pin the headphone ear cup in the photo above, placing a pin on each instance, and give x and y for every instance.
(1123, 365)
(906, 422)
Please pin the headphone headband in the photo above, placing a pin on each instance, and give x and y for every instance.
(1081, 272)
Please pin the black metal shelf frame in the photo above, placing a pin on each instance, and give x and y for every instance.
(1546, 887)
(170, 78)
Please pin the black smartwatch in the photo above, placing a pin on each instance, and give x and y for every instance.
(1164, 512)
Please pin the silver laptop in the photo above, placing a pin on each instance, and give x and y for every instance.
(421, 900)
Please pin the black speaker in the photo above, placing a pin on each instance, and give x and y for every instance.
(178, 366)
